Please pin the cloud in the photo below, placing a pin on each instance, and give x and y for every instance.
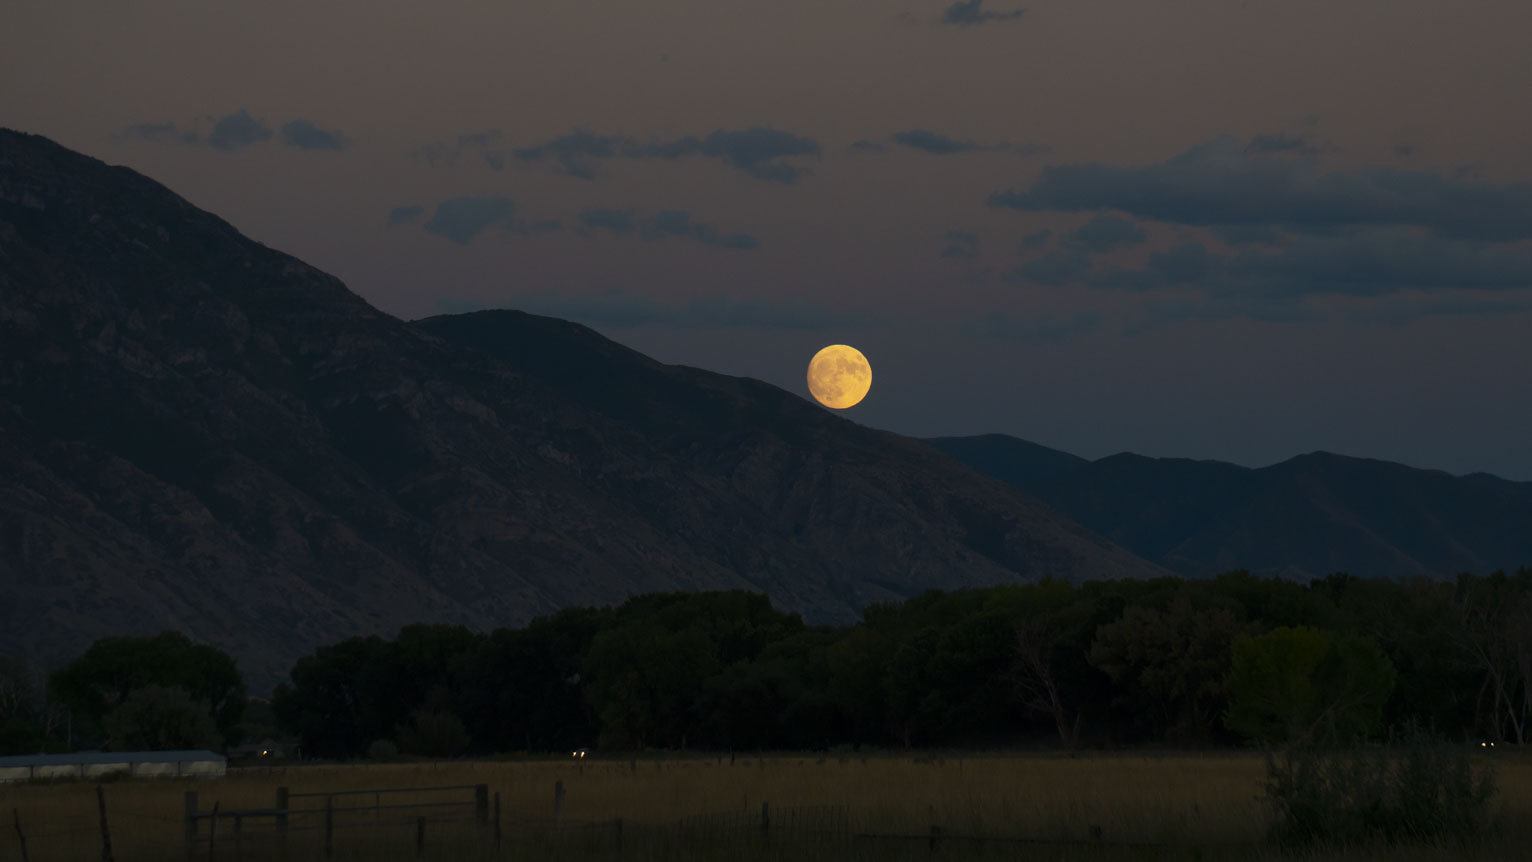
(932, 142)
(1046, 328)
(1381, 266)
(409, 212)
(1185, 264)
(1106, 232)
(1247, 234)
(1399, 314)
(970, 13)
(159, 133)
(938, 144)
(306, 136)
(1221, 183)
(962, 245)
(1280, 142)
(616, 221)
(485, 145)
(678, 223)
(237, 130)
(1053, 269)
(1381, 262)
(866, 146)
(663, 225)
(757, 151)
(1036, 239)
(573, 151)
(622, 310)
(463, 218)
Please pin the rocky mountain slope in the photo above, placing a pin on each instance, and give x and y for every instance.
(199, 432)
(1310, 515)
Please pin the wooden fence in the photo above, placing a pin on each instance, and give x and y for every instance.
(283, 817)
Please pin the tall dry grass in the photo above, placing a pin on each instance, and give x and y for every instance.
(1097, 807)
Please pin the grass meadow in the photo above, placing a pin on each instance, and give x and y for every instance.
(1035, 807)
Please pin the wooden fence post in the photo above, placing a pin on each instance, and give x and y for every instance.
(281, 805)
(497, 821)
(191, 825)
(558, 798)
(420, 836)
(106, 832)
(936, 834)
(481, 804)
(212, 834)
(280, 821)
(329, 826)
(20, 836)
(766, 824)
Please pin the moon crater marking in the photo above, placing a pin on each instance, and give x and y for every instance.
(839, 376)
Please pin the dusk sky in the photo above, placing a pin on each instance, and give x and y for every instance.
(1233, 229)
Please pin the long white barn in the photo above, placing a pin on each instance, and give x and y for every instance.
(94, 764)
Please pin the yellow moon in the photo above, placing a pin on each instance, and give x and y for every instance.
(839, 376)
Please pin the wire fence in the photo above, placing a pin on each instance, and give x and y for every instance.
(437, 819)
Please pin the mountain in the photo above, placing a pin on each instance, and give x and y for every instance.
(1311, 515)
(202, 433)
(1009, 459)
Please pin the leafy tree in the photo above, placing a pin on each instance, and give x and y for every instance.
(340, 698)
(113, 668)
(433, 733)
(1299, 686)
(646, 683)
(1496, 636)
(524, 688)
(17, 698)
(1170, 664)
(159, 718)
(857, 663)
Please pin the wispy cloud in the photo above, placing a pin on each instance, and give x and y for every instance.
(463, 218)
(237, 130)
(1224, 183)
(664, 225)
(623, 310)
(407, 213)
(971, 13)
(760, 152)
(306, 136)
(159, 133)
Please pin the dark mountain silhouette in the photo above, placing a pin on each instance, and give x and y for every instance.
(1311, 515)
(201, 433)
(1009, 459)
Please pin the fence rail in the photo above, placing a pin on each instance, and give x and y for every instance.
(282, 811)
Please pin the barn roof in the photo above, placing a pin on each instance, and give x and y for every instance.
(95, 757)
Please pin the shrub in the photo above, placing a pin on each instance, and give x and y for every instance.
(382, 751)
(1417, 791)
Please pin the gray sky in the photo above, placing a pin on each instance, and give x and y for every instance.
(1200, 228)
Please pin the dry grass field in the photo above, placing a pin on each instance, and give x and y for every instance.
(1098, 807)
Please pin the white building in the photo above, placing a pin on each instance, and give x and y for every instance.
(94, 764)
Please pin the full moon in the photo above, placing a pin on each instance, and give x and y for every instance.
(839, 376)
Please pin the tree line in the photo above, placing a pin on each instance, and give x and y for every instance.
(1232, 660)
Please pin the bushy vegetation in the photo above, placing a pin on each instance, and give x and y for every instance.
(1231, 660)
(1419, 790)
